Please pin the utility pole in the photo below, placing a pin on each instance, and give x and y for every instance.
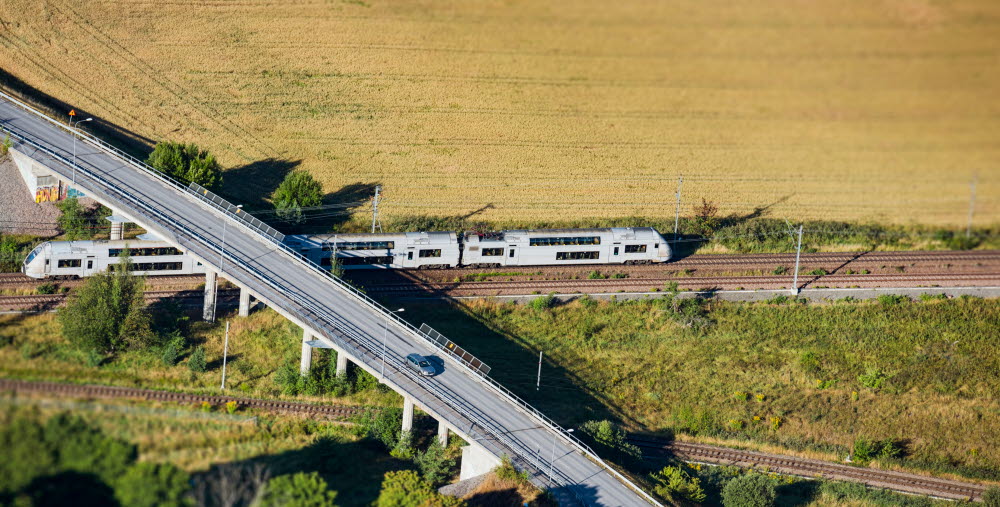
(225, 352)
(378, 189)
(538, 384)
(798, 254)
(677, 213)
(972, 206)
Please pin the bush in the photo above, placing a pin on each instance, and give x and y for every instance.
(186, 163)
(298, 190)
(108, 312)
(297, 490)
(383, 425)
(404, 446)
(152, 485)
(873, 378)
(892, 299)
(672, 482)
(750, 490)
(612, 438)
(171, 352)
(434, 464)
(543, 302)
(46, 288)
(506, 472)
(73, 220)
(406, 489)
(866, 450)
(197, 360)
(991, 497)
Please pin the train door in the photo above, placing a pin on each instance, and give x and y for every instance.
(511, 259)
(409, 262)
(89, 265)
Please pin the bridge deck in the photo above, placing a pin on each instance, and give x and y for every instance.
(466, 402)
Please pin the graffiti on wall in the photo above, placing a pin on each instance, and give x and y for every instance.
(47, 194)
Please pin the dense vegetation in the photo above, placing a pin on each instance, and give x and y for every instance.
(298, 190)
(186, 163)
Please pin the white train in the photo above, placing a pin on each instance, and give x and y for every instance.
(406, 250)
(73, 259)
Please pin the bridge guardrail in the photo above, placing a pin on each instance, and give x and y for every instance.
(497, 387)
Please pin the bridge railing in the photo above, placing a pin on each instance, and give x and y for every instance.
(497, 387)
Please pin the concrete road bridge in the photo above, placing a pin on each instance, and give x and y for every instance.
(332, 314)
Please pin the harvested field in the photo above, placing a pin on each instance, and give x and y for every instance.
(551, 110)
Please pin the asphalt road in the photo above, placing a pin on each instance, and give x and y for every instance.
(462, 399)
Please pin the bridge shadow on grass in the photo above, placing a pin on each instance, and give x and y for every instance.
(562, 396)
(251, 184)
(353, 469)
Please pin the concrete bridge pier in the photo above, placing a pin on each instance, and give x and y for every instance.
(244, 302)
(442, 434)
(307, 354)
(208, 311)
(476, 461)
(341, 363)
(407, 413)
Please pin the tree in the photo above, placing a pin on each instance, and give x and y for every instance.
(186, 163)
(750, 490)
(706, 216)
(405, 488)
(197, 360)
(991, 497)
(612, 438)
(151, 485)
(109, 312)
(673, 482)
(435, 465)
(298, 490)
(298, 190)
(73, 220)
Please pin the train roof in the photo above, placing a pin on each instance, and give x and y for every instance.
(384, 236)
(67, 247)
(639, 233)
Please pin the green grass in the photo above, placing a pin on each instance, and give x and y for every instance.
(670, 368)
(34, 348)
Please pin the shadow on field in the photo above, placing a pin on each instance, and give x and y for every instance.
(353, 469)
(134, 144)
(251, 184)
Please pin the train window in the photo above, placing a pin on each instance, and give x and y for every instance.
(70, 263)
(431, 253)
(46, 262)
(568, 256)
(409, 256)
(493, 252)
(616, 250)
(511, 252)
(157, 266)
(588, 240)
(145, 252)
(360, 245)
(90, 264)
(635, 248)
(366, 260)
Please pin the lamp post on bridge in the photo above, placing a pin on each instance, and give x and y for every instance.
(222, 261)
(552, 457)
(75, 134)
(385, 335)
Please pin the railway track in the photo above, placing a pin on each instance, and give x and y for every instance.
(339, 412)
(652, 448)
(50, 301)
(647, 284)
(898, 481)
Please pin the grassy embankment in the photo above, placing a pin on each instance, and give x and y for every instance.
(847, 111)
(810, 379)
(34, 348)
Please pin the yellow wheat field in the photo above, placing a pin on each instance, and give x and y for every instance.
(550, 110)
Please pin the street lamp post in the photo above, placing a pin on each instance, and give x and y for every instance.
(74, 142)
(385, 335)
(552, 457)
(222, 260)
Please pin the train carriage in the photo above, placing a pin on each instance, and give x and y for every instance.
(381, 251)
(75, 259)
(617, 245)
